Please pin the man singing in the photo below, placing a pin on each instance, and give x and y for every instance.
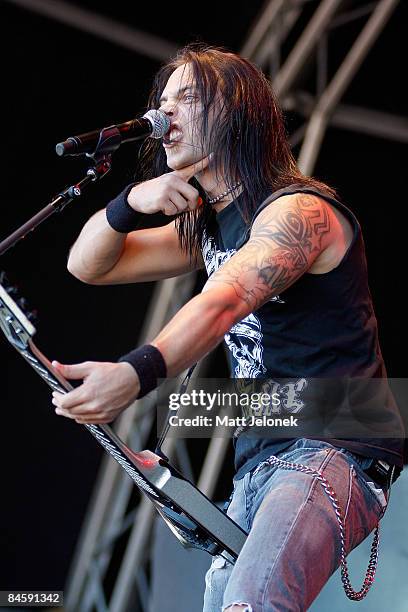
(287, 291)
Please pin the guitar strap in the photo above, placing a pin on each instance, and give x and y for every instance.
(166, 427)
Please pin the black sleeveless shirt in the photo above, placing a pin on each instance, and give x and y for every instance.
(323, 325)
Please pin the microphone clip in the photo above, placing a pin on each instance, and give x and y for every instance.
(109, 141)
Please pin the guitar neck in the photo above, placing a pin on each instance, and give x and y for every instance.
(165, 487)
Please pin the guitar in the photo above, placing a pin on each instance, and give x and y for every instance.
(191, 516)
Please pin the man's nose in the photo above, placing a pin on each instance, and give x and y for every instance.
(169, 108)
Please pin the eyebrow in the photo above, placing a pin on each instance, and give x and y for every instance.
(179, 93)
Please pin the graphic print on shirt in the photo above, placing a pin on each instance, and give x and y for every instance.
(244, 339)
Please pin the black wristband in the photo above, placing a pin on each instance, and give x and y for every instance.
(149, 365)
(120, 215)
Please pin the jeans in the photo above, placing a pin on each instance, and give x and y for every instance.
(293, 545)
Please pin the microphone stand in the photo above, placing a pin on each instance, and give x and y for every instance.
(109, 141)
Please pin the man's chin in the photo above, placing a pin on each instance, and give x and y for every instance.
(176, 160)
(179, 163)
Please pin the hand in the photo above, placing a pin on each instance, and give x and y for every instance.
(107, 389)
(169, 193)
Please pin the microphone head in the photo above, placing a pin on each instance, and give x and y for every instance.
(159, 121)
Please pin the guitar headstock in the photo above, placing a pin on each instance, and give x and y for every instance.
(15, 320)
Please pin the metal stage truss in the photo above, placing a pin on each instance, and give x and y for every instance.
(113, 514)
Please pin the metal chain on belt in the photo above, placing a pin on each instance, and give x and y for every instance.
(372, 565)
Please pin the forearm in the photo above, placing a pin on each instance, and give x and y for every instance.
(96, 250)
(196, 329)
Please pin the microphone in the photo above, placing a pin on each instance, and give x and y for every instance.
(154, 123)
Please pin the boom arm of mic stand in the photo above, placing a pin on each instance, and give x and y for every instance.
(109, 141)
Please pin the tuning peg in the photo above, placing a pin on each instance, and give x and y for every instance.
(32, 316)
(11, 289)
(22, 302)
(4, 280)
(13, 292)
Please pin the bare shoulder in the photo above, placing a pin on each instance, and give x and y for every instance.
(286, 239)
(294, 203)
(299, 218)
(312, 223)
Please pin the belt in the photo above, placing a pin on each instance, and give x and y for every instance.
(380, 471)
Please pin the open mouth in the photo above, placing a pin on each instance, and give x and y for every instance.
(172, 137)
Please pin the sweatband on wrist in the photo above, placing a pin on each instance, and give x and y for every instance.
(149, 365)
(120, 215)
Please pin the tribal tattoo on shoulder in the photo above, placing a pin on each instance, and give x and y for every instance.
(285, 240)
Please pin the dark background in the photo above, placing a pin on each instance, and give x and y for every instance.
(57, 82)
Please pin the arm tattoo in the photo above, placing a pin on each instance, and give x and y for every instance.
(282, 246)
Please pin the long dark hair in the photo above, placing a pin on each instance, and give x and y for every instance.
(248, 139)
